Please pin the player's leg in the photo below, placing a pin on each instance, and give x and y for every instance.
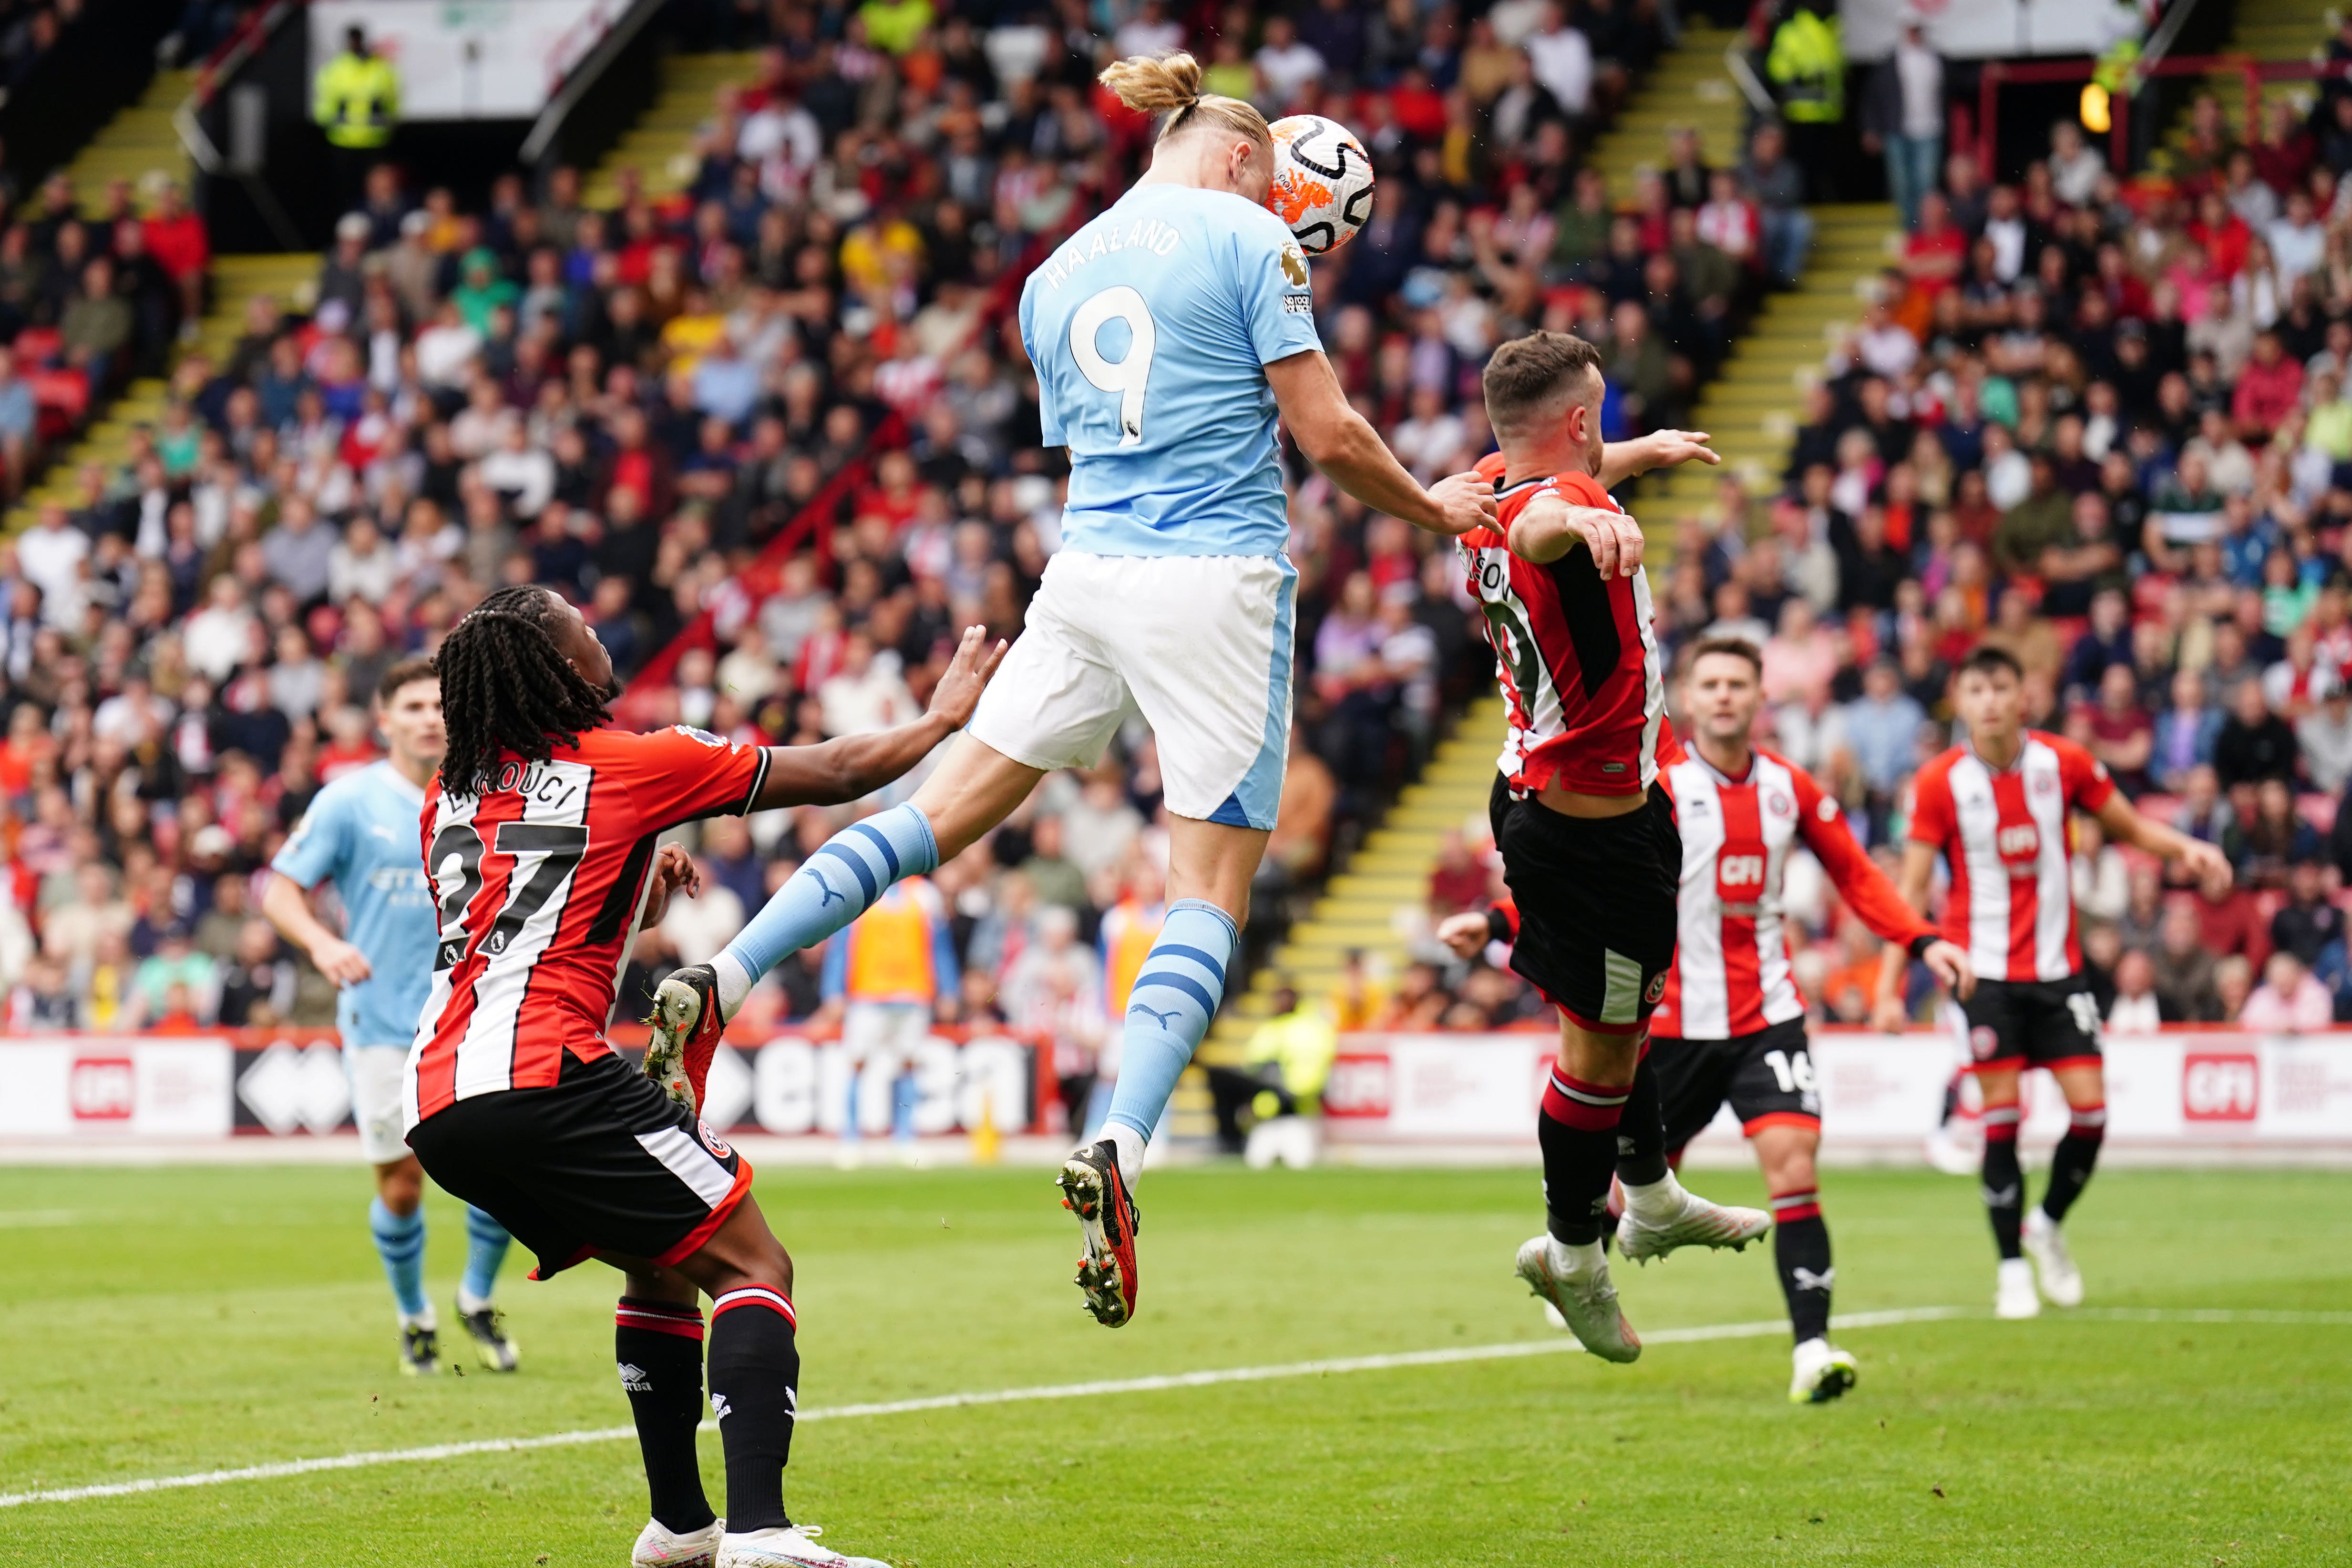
(1576, 1129)
(658, 1347)
(1203, 646)
(396, 1213)
(1997, 1046)
(1774, 1096)
(1169, 1009)
(485, 1252)
(1678, 1088)
(755, 1372)
(2082, 1079)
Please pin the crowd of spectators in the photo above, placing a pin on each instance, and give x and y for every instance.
(778, 439)
(2106, 426)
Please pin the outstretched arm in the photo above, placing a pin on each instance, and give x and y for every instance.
(1624, 460)
(1339, 441)
(855, 766)
(2124, 825)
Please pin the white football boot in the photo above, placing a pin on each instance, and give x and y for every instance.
(792, 1546)
(2013, 1293)
(1574, 1282)
(1689, 1220)
(1822, 1373)
(658, 1547)
(2061, 1282)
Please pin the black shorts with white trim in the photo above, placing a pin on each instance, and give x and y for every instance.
(602, 1163)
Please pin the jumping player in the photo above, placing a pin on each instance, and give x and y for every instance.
(361, 833)
(1996, 809)
(1167, 335)
(1586, 832)
(541, 845)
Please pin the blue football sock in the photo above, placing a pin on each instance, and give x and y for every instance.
(837, 884)
(1168, 1010)
(400, 1239)
(485, 1249)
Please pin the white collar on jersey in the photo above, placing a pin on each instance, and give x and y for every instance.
(408, 792)
(2024, 741)
(1717, 774)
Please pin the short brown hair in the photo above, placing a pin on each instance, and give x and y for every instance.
(401, 673)
(1527, 374)
(1736, 647)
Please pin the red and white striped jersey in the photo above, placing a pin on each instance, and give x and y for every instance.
(2005, 833)
(1731, 974)
(540, 885)
(1579, 660)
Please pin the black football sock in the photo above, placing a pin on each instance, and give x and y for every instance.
(2004, 1182)
(755, 1373)
(1641, 1131)
(659, 1345)
(1801, 1245)
(1577, 1128)
(2077, 1154)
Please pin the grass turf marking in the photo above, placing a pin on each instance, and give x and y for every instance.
(1205, 1378)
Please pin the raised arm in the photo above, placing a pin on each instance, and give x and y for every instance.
(855, 766)
(1342, 442)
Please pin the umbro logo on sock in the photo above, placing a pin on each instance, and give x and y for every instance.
(719, 1405)
(1809, 1281)
(634, 1379)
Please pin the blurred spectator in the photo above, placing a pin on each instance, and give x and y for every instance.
(2290, 999)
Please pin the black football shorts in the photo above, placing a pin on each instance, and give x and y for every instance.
(1767, 1077)
(603, 1162)
(1596, 901)
(2033, 1023)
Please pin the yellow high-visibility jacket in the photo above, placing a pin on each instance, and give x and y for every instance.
(356, 100)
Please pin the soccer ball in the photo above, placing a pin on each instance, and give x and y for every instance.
(1322, 182)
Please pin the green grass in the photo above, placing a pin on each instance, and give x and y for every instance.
(189, 1320)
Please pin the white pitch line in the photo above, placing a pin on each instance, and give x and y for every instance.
(1208, 1378)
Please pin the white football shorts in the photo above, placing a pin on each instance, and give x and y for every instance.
(376, 1072)
(1199, 645)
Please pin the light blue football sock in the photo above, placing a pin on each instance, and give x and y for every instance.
(485, 1249)
(833, 887)
(1168, 1012)
(399, 1240)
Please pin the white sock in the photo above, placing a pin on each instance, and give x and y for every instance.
(1130, 1145)
(734, 983)
(1656, 1203)
(469, 1304)
(1583, 1257)
(424, 1320)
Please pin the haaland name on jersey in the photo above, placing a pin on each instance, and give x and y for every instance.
(1150, 329)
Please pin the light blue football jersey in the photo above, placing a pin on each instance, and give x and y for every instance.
(361, 830)
(1149, 328)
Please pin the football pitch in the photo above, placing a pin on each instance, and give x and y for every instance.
(162, 1323)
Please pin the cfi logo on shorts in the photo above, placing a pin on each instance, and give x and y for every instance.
(1657, 987)
(713, 1141)
(1983, 1042)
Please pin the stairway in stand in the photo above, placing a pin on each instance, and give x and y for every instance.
(139, 143)
(235, 281)
(660, 145)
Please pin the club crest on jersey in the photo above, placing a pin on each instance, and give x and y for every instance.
(1779, 805)
(713, 1141)
(1984, 1042)
(1656, 988)
(715, 742)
